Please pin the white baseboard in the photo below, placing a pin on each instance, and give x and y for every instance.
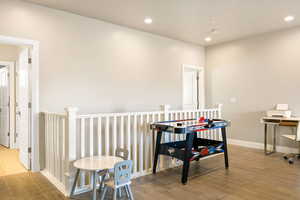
(256, 145)
(59, 185)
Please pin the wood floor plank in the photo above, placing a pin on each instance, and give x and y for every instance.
(251, 176)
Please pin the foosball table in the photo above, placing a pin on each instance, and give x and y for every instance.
(192, 148)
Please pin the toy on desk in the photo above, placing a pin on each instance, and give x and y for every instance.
(281, 110)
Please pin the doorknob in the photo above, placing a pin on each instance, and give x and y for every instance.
(18, 113)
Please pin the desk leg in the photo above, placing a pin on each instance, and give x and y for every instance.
(94, 182)
(75, 181)
(274, 138)
(187, 153)
(225, 147)
(158, 139)
(266, 140)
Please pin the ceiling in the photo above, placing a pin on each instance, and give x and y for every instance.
(189, 20)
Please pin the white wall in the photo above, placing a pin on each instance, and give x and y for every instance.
(259, 72)
(8, 53)
(97, 66)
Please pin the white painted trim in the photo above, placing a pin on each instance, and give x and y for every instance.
(201, 83)
(34, 137)
(59, 185)
(256, 145)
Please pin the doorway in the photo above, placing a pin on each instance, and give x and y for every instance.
(5, 104)
(15, 116)
(192, 87)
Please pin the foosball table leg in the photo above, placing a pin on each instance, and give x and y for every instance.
(157, 146)
(186, 162)
(225, 147)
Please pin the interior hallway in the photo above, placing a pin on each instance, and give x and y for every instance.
(9, 162)
(252, 176)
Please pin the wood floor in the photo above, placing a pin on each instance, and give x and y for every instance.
(9, 162)
(252, 176)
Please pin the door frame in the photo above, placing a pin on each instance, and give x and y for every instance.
(34, 95)
(11, 68)
(201, 83)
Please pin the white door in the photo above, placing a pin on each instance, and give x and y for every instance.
(4, 106)
(193, 91)
(22, 109)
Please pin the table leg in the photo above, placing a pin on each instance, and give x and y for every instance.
(94, 182)
(74, 183)
(195, 141)
(225, 147)
(101, 181)
(158, 139)
(187, 153)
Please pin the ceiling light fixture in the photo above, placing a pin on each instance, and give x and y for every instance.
(208, 39)
(148, 20)
(289, 18)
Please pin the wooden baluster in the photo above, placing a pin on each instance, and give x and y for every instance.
(99, 133)
(134, 148)
(141, 144)
(107, 136)
(129, 135)
(114, 144)
(52, 146)
(122, 132)
(147, 133)
(83, 149)
(91, 136)
(47, 142)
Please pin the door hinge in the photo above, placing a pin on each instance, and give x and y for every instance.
(29, 60)
(29, 149)
(29, 105)
(8, 134)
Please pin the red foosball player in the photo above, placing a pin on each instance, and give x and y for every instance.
(204, 151)
(202, 119)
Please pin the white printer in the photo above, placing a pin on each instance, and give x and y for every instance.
(281, 110)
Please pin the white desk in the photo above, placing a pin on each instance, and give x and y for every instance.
(280, 121)
(94, 164)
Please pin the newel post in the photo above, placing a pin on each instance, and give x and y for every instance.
(220, 110)
(70, 145)
(165, 108)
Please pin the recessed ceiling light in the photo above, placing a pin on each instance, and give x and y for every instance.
(289, 18)
(207, 39)
(148, 20)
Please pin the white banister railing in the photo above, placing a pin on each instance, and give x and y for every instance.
(69, 137)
